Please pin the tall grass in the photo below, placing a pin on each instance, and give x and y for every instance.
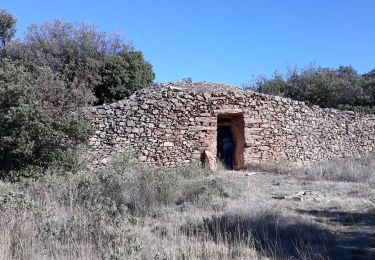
(347, 170)
(351, 169)
(98, 214)
(129, 211)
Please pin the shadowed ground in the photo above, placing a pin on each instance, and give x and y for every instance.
(338, 218)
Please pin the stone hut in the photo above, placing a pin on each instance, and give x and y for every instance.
(173, 124)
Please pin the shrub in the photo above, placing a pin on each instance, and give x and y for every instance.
(7, 30)
(45, 80)
(341, 88)
(32, 136)
(89, 61)
(121, 75)
(140, 188)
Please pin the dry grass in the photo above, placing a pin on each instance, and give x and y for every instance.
(278, 168)
(130, 211)
(352, 169)
(347, 170)
(122, 212)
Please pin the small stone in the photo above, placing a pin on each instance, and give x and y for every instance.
(130, 123)
(142, 158)
(163, 103)
(250, 173)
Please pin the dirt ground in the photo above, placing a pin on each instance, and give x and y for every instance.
(343, 212)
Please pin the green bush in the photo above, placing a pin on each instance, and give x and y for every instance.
(45, 80)
(88, 60)
(341, 88)
(33, 135)
(122, 75)
(7, 30)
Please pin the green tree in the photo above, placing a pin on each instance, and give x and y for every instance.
(30, 134)
(122, 75)
(82, 56)
(276, 86)
(46, 78)
(7, 30)
(341, 88)
(370, 74)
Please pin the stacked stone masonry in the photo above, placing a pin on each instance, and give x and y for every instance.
(172, 124)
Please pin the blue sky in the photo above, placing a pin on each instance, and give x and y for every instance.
(224, 40)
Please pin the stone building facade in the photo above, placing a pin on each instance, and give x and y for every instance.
(175, 124)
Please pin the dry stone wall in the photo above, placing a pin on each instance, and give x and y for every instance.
(170, 126)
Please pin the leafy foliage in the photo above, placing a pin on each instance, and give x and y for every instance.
(341, 88)
(45, 80)
(85, 58)
(122, 75)
(30, 135)
(7, 30)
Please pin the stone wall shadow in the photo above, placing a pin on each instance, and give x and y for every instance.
(355, 238)
(282, 238)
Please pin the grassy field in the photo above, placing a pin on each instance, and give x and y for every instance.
(130, 211)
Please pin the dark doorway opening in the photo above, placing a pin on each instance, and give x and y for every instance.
(230, 140)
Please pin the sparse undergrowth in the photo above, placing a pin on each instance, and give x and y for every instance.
(348, 170)
(110, 214)
(361, 169)
(129, 211)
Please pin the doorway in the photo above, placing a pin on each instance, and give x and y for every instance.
(231, 140)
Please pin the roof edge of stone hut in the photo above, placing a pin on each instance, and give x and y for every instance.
(213, 87)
